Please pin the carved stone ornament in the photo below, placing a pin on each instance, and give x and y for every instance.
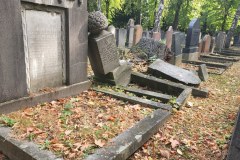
(97, 22)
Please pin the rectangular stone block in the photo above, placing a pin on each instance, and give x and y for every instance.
(12, 58)
(103, 53)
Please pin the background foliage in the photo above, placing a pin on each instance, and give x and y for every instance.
(215, 15)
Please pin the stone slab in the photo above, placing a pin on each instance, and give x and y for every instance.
(165, 86)
(232, 58)
(103, 53)
(206, 44)
(176, 43)
(12, 57)
(159, 68)
(125, 144)
(15, 105)
(121, 37)
(44, 42)
(149, 94)
(22, 150)
(202, 72)
(234, 146)
(211, 64)
(183, 97)
(138, 31)
(209, 58)
(137, 100)
(190, 56)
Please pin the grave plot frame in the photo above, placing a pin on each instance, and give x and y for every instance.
(15, 95)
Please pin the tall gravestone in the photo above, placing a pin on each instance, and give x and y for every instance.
(130, 32)
(169, 35)
(213, 44)
(121, 36)
(206, 44)
(220, 41)
(176, 49)
(43, 44)
(103, 53)
(138, 31)
(192, 40)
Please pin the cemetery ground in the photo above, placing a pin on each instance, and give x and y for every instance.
(200, 130)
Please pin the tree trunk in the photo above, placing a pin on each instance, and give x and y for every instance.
(233, 27)
(158, 17)
(176, 16)
(107, 8)
(224, 21)
(99, 5)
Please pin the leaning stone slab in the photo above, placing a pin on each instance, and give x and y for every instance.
(165, 86)
(210, 64)
(25, 102)
(145, 102)
(22, 150)
(129, 141)
(234, 146)
(203, 73)
(149, 94)
(159, 68)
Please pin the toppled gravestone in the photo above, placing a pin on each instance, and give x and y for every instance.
(159, 68)
(149, 47)
(202, 72)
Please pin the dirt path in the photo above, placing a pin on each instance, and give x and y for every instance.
(203, 130)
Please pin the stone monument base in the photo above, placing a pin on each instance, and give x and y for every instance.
(119, 76)
(176, 60)
(190, 56)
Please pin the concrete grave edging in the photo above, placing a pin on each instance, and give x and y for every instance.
(25, 102)
(125, 144)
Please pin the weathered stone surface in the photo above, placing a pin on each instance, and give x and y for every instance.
(176, 49)
(234, 146)
(44, 49)
(12, 59)
(202, 72)
(22, 150)
(206, 44)
(236, 41)
(130, 32)
(121, 37)
(211, 64)
(97, 22)
(200, 46)
(213, 44)
(165, 86)
(148, 47)
(146, 34)
(103, 53)
(160, 68)
(192, 40)
(119, 76)
(112, 30)
(182, 98)
(156, 36)
(220, 41)
(138, 31)
(129, 141)
(169, 35)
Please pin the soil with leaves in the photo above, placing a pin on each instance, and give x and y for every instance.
(203, 128)
(74, 127)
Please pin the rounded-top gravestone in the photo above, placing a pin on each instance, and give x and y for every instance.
(97, 22)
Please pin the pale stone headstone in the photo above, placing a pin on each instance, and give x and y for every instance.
(130, 33)
(121, 36)
(200, 46)
(112, 30)
(206, 44)
(138, 31)
(220, 41)
(192, 40)
(169, 35)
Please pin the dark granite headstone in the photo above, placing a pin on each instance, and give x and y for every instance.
(192, 40)
(176, 49)
(159, 68)
(103, 53)
(43, 44)
(236, 41)
(203, 73)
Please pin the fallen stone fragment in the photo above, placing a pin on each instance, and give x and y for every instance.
(203, 73)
